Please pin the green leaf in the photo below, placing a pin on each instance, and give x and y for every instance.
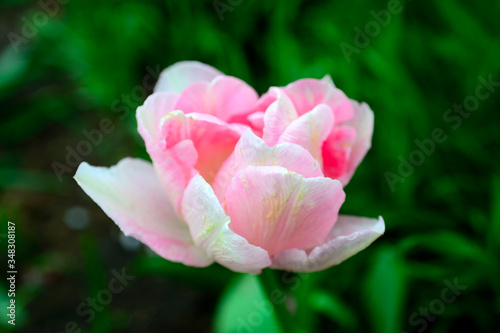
(385, 290)
(245, 307)
(430, 272)
(333, 307)
(447, 243)
(494, 234)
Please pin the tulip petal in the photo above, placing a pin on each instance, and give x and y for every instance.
(225, 97)
(154, 109)
(310, 130)
(277, 209)
(336, 151)
(362, 122)
(129, 193)
(256, 120)
(277, 117)
(174, 170)
(349, 236)
(209, 226)
(253, 151)
(307, 93)
(182, 74)
(213, 140)
(328, 80)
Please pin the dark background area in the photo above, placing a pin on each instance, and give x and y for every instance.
(61, 74)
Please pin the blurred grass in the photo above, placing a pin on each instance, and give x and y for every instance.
(442, 221)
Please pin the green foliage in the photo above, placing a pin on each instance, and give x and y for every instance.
(443, 218)
(385, 290)
(245, 306)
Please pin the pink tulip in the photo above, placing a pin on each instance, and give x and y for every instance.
(218, 192)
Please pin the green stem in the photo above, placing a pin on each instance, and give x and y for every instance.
(276, 295)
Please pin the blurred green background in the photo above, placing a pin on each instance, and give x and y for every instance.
(65, 67)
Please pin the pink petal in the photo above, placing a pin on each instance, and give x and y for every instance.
(253, 151)
(349, 236)
(307, 93)
(277, 117)
(277, 209)
(212, 139)
(310, 130)
(363, 124)
(208, 224)
(336, 151)
(225, 97)
(182, 74)
(173, 172)
(256, 119)
(154, 109)
(130, 194)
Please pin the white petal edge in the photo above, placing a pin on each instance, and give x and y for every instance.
(349, 235)
(180, 75)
